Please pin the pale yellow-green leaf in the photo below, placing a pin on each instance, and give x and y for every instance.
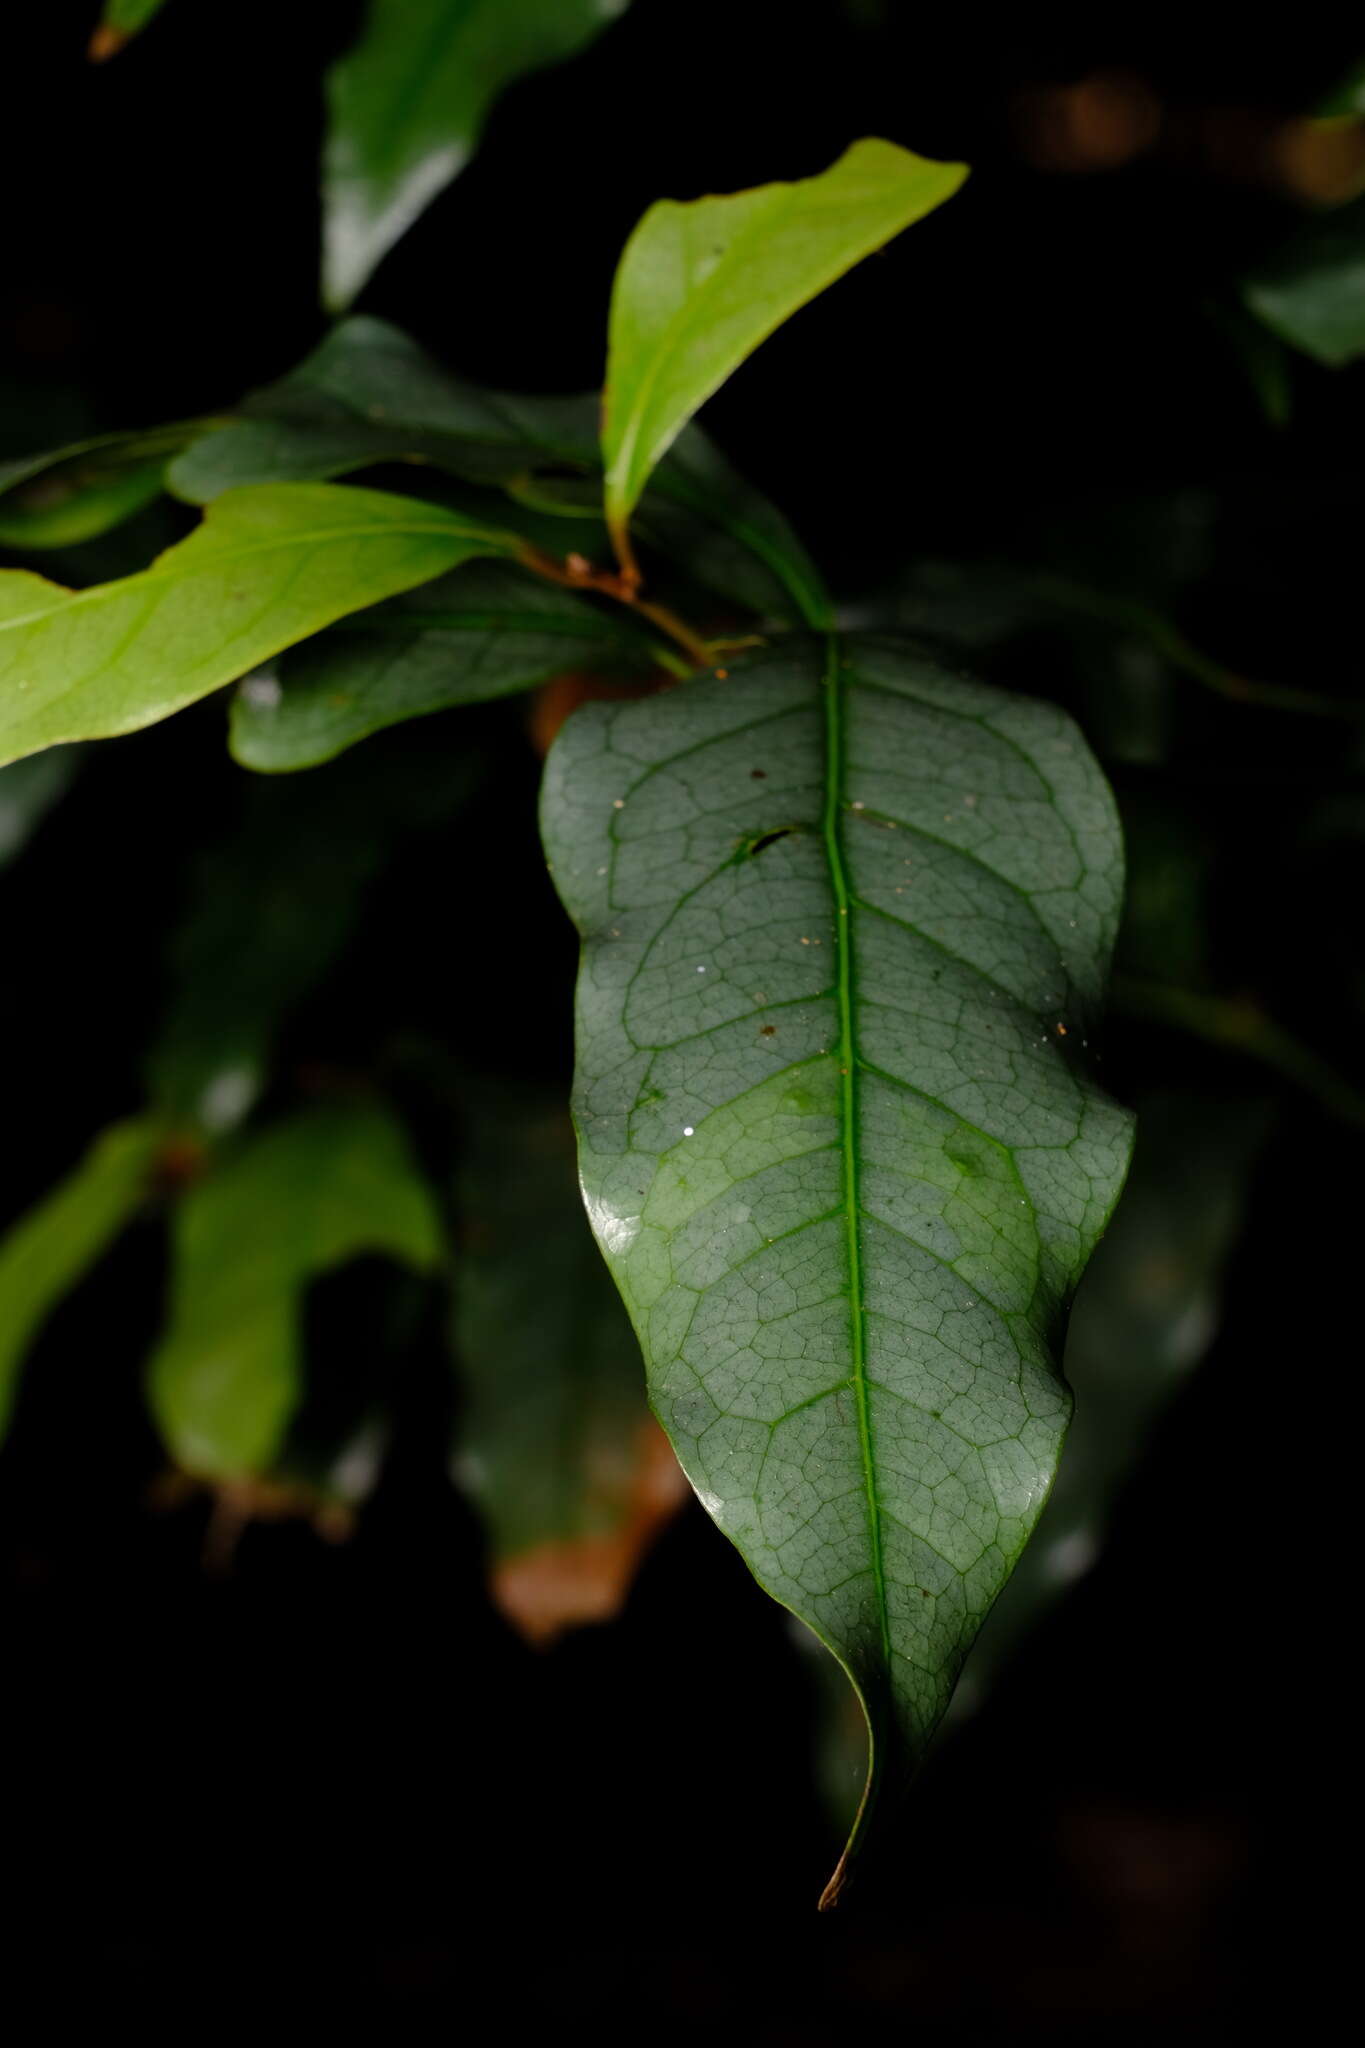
(702, 283)
(51, 1247)
(270, 564)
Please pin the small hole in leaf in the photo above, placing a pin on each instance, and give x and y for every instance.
(771, 838)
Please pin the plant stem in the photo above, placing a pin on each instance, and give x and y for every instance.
(576, 573)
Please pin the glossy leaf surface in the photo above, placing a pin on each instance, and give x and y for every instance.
(406, 107)
(56, 1243)
(555, 1442)
(269, 907)
(484, 631)
(281, 1208)
(267, 567)
(701, 284)
(369, 394)
(845, 922)
(1313, 293)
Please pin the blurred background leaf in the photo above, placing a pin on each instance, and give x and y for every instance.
(54, 1244)
(28, 791)
(555, 1443)
(1312, 292)
(74, 494)
(406, 107)
(120, 21)
(269, 909)
(272, 1213)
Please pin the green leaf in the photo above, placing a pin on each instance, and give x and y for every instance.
(270, 907)
(407, 106)
(845, 925)
(484, 631)
(281, 1208)
(57, 499)
(701, 284)
(119, 23)
(1312, 294)
(267, 567)
(702, 514)
(1347, 98)
(28, 790)
(368, 394)
(555, 1442)
(51, 1248)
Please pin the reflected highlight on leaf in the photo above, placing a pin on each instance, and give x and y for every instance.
(838, 1138)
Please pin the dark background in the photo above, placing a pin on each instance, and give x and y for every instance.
(336, 1758)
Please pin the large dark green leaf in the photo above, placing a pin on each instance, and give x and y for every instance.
(368, 395)
(484, 631)
(701, 284)
(845, 926)
(1312, 292)
(406, 108)
(72, 494)
(267, 567)
(555, 1442)
(52, 1247)
(281, 1208)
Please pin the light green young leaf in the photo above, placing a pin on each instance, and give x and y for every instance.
(267, 567)
(484, 631)
(701, 284)
(1312, 294)
(555, 1441)
(68, 495)
(845, 921)
(283, 1207)
(368, 394)
(407, 106)
(51, 1248)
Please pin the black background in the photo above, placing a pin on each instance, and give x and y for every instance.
(335, 1759)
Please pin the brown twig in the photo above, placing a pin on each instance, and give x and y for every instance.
(577, 573)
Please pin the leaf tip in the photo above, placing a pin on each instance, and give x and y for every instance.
(106, 42)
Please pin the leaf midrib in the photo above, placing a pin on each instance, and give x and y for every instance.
(849, 1062)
